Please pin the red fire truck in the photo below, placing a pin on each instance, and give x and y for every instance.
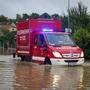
(43, 41)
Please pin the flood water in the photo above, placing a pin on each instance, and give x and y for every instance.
(16, 75)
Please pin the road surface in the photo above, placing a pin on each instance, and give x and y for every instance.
(16, 75)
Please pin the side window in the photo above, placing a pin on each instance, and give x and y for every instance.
(39, 40)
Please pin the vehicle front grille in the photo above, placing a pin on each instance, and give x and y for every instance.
(71, 55)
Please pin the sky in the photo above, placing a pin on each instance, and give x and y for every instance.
(10, 8)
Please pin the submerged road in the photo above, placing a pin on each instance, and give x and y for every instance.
(16, 75)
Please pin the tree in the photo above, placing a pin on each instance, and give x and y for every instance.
(45, 16)
(8, 37)
(82, 38)
(25, 16)
(80, 24)
(55, 16)
(3, 35)
(4, 31)
(3, 40)
(18, 17)
(34, 16)
(64, 22)
(3, 19)
(78, 17)
(10, 21)
(11, 38)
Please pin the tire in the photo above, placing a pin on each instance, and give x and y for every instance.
(47, 61)
(22, 58)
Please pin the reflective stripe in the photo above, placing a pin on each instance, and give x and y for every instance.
(38, 58)
(27, 52)
(25, 31)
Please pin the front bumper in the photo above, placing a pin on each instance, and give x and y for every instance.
(55, 61)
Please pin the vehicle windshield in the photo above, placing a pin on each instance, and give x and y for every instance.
(59, 39)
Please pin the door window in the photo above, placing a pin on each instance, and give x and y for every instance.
(39, 40)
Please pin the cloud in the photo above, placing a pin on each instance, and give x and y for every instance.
(11, 7)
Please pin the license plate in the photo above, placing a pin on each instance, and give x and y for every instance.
(72, 63)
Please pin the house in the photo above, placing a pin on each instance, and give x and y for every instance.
(11, 27)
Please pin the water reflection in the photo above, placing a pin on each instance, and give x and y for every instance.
(36, 77)
(86, 78)
(27, 76)
(64, 78)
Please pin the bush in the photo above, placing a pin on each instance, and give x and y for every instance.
(82, 39)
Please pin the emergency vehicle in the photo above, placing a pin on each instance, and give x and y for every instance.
(43, 41)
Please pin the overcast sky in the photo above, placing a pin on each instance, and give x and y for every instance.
(10, 8)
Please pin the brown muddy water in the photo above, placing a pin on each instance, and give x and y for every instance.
(16, 75)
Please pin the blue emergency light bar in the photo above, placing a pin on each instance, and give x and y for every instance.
(47, 30)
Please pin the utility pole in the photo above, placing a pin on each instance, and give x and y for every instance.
(68, 14)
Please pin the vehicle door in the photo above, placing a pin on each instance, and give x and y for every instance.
(39, 46)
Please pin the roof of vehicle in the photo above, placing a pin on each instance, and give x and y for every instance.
(36, 24)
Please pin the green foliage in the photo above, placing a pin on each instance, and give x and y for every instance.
(3, 19)
(82, 38)
(25, 16)
(11, 38)
(34, 16)
(4, 31)
(7, 37)
(80, 24)
(3, 38)
(65, 22)
(10, 21)
(45, 16)
(79, 17)
(18, 17)
(55, 16)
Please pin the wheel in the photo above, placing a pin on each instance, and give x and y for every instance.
(47, 61)
(22, 58)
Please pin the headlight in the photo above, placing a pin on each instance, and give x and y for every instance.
(57, 54)
(82, 54)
